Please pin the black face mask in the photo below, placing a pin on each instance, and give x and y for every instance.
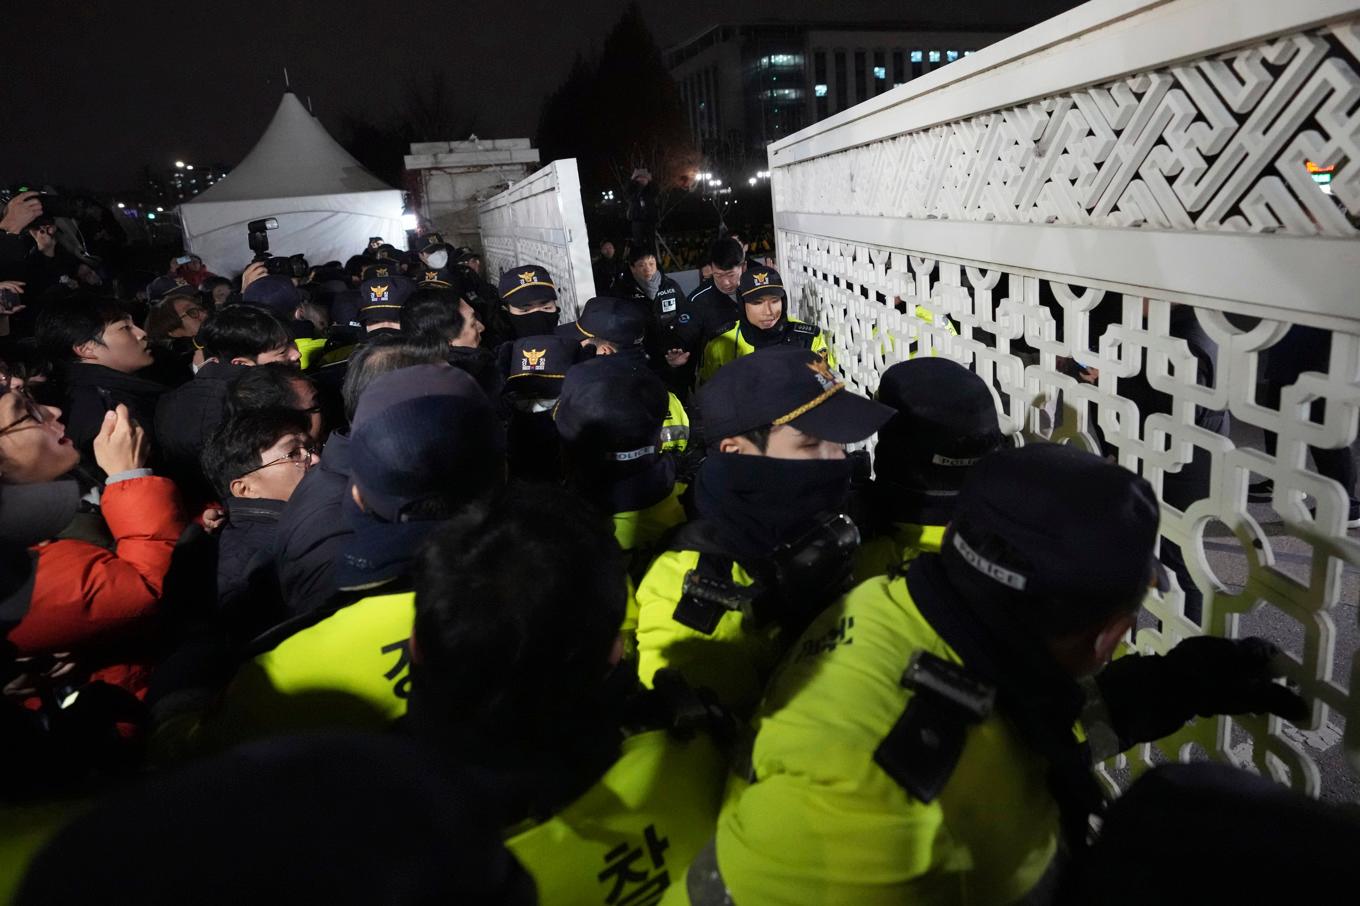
(533, 324)
(757, 503)
(761, 338)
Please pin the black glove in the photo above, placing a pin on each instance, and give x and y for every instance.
(1152, 696)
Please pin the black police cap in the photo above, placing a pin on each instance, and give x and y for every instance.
(436, 278)
(620, 321)
(381, 298)
(526, 285)
(946, 416)
(612, 408)
(785, 385)
(1051, 525)
(760, 281)
(538, 365)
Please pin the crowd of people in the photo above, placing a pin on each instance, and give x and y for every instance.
(373, 581)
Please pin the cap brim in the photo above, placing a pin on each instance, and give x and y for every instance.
(32, 513)
(844, 418)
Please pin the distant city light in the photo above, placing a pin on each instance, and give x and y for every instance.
(121, 205)
(188, 166)
(150, 215)
(179, 164)
(160, 210)
(752, 180)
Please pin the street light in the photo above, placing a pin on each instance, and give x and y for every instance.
(121, 205)
(179, 165)
(188, 166)
(752, 180)
(160, 210)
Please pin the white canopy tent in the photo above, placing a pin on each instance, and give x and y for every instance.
(326, 203)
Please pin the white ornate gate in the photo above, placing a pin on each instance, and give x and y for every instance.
(1144, 155)
(539, 220)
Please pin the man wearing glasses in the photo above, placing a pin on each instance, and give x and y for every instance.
(255, 460)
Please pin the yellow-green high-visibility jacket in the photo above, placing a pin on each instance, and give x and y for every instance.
(675, 429)
(733, 661)
(25, 829)
(894, 549)
(638, 532)
(351, 669)
(311, 350)
(817, 820)
(731, 345)
(633, 833)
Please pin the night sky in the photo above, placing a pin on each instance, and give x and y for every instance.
(91, 91)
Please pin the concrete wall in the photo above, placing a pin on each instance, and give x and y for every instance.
(452, 178)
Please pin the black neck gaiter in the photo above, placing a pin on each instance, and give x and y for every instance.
(760, 338)
(533, 324)
(756, 503)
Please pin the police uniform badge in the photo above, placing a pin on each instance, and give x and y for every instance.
(378, 292)
(534, 360)
(668, 305)
(380, 272)
(822, 372)
(761, 278)
(527, 277)
(431, 276)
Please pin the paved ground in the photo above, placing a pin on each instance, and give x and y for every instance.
(1292, 556)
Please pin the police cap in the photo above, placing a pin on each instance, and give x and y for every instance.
(538, 365)
(423, 243)
(760, 281)
(436, 278)
(620, 321)
(612, 408)
(946, 418)
(526, 285)
(380, 298)
(785, 385)
(1057, 529)
(170, 288)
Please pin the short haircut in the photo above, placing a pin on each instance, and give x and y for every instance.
(42, 220)
(725, 254)
(77, 320)
(520, 651)
(432, 317)
(242, 331)
(376, 358)
(758, 436)
(161, 317)
(637, 252)
(235, 448)
(264, 387)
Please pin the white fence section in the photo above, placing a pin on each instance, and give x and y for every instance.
(539, 220)
(1093, 191)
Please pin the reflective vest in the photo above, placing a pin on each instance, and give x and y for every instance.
(637, 533)
(25, 829)
(351, 669)
(632, 834)
(311, 350)
(818, 821)
(731, 345)
(675, 429)
(733, 661)
(893, 550)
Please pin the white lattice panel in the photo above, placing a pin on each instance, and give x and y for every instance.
(539, 220)
(1179, 184)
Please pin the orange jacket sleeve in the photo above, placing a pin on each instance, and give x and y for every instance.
(84, 594)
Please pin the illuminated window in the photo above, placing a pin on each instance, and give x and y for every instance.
(819, 91)
(951, 55)
(934, 56)
(916, 56)
(880, 72)
(969, 53)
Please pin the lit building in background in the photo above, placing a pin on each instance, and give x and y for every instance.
(181, 181)
(744, 86)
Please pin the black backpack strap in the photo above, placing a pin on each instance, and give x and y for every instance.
(922, 749)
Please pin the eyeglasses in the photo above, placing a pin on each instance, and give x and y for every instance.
(301, 456)
(32, 411)
(194, 312)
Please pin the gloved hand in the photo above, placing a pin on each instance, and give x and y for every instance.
(1152, 696)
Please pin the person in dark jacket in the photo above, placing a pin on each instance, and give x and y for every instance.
(278, 385)
(642, 207)
(605, 267)
(445, 322)
(313, 526)
(99, 351)
(256, 461)
(171, 325)
(21, 210)
(662, 298)
(709, 310)
(233, 339)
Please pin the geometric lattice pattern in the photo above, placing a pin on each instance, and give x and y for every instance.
(540, 221)
(1214, 144)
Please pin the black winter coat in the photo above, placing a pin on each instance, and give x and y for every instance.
(311, 530)
(91, 390)
(185, 419)
(247, 586)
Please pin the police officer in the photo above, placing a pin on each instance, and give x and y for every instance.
(771, 545)
(425, 444)
(946, 422)
(762, 321)
(709, 310)
(605, 793)
(661, 297)
(534, 369)
(617, 328)
(925, 740)
(378, 311)
(530, 298)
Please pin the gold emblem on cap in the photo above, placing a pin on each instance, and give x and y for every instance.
(380, 272)
(432, 275)
(822, 371)
(761, 278)
(527, 277)
(533, 358)
(378, 293)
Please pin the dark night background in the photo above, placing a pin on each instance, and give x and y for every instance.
(94, 91)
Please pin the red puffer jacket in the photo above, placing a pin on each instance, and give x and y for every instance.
(99, 604)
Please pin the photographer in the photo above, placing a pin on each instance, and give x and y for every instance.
(642, 208)
(21, 210)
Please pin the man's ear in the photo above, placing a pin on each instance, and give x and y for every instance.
(240, 487)
(739, 445)
(358, 498)
(242, 360)
(87, 350)
(1111, 634)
